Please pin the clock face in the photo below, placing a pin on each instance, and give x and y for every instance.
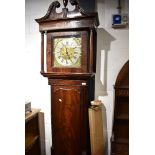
(67, 52)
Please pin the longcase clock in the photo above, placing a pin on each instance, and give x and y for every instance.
(70, 58)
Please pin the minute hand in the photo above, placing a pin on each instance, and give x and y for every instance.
(68, 55)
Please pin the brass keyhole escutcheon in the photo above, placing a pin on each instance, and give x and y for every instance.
(60, 100)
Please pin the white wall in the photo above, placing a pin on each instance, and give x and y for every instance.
(112, 53)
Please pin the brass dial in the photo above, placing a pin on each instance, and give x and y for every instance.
(67, 52)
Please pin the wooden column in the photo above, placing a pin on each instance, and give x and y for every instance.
(42, 52)
(91, 51)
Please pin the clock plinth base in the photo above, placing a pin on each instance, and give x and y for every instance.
(83, 153)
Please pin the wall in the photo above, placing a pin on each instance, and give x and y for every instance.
(112, 53)
(89, 6)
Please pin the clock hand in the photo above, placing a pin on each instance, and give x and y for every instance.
(68, 55)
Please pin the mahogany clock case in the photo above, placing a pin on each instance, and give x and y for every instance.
(72, 87)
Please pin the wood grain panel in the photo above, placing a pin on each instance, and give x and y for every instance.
(66, 121)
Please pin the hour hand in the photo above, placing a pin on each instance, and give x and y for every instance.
(68, 55)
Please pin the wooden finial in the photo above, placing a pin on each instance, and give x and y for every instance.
(65, 3)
